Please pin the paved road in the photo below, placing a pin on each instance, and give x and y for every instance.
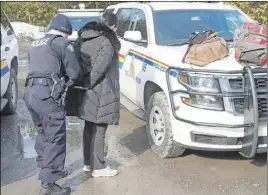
(140, 171)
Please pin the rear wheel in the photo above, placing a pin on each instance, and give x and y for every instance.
(11, 94)
(159, 129)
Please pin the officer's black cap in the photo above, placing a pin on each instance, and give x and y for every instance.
(61, 23)
(110, 19)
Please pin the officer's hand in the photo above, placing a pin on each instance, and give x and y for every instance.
(70, 83)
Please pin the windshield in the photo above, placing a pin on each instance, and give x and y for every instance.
(176, 26)
(79, 22)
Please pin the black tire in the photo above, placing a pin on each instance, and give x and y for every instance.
(11, 107)
(169, 148)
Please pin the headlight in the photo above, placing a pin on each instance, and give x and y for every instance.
(203, 84)
(205, 102)
(198, 83)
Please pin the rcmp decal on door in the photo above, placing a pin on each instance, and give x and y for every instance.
(146, 61)
(131, 71)
(131, 68)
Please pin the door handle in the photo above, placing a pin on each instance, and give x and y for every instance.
(7, 48)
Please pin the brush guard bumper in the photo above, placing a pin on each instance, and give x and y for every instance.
(250, 141)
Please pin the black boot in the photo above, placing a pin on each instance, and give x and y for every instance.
(54, 189)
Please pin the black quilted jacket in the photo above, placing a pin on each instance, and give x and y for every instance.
(101, 103)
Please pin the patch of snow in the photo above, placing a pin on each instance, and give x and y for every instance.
(24, 30)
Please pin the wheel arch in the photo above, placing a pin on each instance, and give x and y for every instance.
(149, 89)
(14, 64)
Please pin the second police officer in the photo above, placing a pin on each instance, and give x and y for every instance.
(50, 59)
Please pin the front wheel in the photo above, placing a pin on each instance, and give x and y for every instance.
(11, 94)
(159, 129)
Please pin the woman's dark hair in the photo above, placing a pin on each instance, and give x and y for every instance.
(109, 19)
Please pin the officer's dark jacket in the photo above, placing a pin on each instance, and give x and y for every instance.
(43, 60)
(101, 104)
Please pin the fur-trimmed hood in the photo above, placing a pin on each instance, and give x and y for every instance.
(96, 29)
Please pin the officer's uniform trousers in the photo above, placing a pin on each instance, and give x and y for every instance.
(49, 118)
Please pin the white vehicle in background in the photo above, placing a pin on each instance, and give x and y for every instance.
(79, 17)
(9, 67)
(219, 107)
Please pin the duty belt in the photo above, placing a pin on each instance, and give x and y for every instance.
(39, 81)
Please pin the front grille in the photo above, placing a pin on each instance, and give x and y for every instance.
(208, 139)
(261, 83)
(262, 106)
(236, 83)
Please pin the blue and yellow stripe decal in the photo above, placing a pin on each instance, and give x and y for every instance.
(147, 60)
(121, 60)
(4, 67)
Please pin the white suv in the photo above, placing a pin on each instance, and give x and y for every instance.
(219, 107)
(9, 66)
(80, 17)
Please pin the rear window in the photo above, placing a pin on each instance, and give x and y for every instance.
(79, 22)
(109, 10)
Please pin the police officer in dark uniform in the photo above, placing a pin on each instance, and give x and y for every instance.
(51, 59)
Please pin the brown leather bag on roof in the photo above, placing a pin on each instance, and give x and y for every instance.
(205, 48)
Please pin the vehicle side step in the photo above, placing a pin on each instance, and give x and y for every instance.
(3, 103)
(128, 104)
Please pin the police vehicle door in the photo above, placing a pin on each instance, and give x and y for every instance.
(8, 49)
(4, 64)
(130, 58)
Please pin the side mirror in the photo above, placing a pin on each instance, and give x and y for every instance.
(42, 29)
(9, 32)
(133, 36)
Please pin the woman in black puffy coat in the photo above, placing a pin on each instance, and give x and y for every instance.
(100, 105)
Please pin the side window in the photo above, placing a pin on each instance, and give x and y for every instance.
(6, 24)
(139, 22)
(124, 16)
